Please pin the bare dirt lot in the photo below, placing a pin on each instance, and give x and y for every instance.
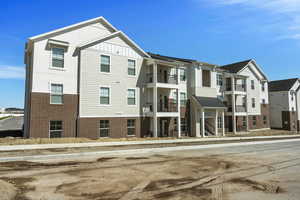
(247, 172)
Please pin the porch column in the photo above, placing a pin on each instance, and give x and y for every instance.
(203, 122)
(155, 100)
(198, 121)
(233, 114)
(179, 127)
(178, 111)
(216, 123)
(223, 123)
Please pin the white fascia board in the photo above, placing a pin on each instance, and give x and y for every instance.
(75, 26)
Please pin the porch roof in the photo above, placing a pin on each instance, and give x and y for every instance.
(209, 102)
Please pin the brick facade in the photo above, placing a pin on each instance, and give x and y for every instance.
(289, 120)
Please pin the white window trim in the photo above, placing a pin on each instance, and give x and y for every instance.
(184, 73)
(99, 88)
(135, 105)
(104, 128)
(51, 56)
(135, 60)
(49, 125)
(110, 68)
(134, 135)
(57, 83)
(180, 97)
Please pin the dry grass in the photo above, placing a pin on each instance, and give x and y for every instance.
(272, 132)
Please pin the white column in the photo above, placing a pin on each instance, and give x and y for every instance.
(155, 100)
(179, 127)
(203, 122)
(223, 123)
(198, 121)
(216, 123)
(233, 114)
(178, 107)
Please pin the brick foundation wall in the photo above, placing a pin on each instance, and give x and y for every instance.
(90, 127)
(41, 112)
(289, 120)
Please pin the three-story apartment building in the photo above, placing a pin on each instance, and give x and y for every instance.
(91, 80)
(285, 104)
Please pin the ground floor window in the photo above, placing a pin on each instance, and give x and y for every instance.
(104, 128)
(254, 121)
(130, 127)
(183, 125)
(265, 119)
(175, 124)
(220, 123)
(56, 129)
(244, 121)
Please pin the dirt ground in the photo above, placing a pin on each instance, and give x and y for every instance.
(219, 174)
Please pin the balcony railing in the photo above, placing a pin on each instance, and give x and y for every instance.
(238, 87)
(162, 107)
(162, 78)
(240, 108)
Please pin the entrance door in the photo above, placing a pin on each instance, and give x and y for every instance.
(229, 122)
(165, 128)
(165, 103)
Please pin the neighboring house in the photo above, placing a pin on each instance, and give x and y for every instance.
(91, 80)
(285, 104)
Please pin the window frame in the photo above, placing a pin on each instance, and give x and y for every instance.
(183, 123)
(219, 81)
(135, 97)
(101, 64)
(62, 128)
(252, 85)
(135, 64)
(253, 102)
(53, 94)
(244, 121)
(184, 75)
(254, 121)
(63, 59)
(131, 127)
(220, 122)
(105, 128)
(109, 95)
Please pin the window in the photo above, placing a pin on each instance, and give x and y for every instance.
(130, 127)
(244, 100)
(56, 129)
(263, 101)
(206, 78)
(265, 119)
(263, 87)
(292, 97)
(253, 102)
(104, 95)
(131, 67)
(220, 124)
(56, 96)
(182, 74)
(175, 124)
(183, 124)
(293, 110)
(244, 121)
(105, 64)
(182, 99)
(131, 96)
(254, 121)
(219, 79)
(252, 85)
(58, 57)
(104, 128)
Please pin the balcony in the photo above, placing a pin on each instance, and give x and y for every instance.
(237, 87)
(237, 108)
(170, 107)
(162, 78)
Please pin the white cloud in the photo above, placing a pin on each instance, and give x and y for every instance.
(286, 10)
(12, 72)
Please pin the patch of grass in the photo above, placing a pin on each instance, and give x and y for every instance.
(1, 118)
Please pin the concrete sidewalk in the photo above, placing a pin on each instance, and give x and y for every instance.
(124, 143)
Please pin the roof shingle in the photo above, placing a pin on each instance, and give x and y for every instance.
(235, 67)
(282, 85)
(210, 102)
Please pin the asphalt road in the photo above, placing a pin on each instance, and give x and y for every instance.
(12, 123)
(259, 171)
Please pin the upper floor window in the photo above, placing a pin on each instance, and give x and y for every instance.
(56, 96)
(206, 78)
(292, 97)
(131, 67)
(263, 87)
(131, 97)
(219, 79)
(253, 102)
(182, 74)
(220, 122)
(104, 95)
(252, 85)
(105, 64)
(58, 57)
(56, 129)
(182, 98)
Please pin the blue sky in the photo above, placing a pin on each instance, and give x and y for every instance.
(215, 31)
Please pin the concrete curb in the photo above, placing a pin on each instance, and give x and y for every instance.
(137, 151)
(125, 143)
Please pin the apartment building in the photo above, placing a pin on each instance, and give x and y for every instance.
(285, 104)
(91, 80)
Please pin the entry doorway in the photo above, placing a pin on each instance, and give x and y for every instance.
(164, 128)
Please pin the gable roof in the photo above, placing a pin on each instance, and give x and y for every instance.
(235, 67)
(169, 59)
(75, 26)
(113, 35)
(209, 102)
(282, 85)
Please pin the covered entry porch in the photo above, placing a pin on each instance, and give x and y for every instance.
(209, 116)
